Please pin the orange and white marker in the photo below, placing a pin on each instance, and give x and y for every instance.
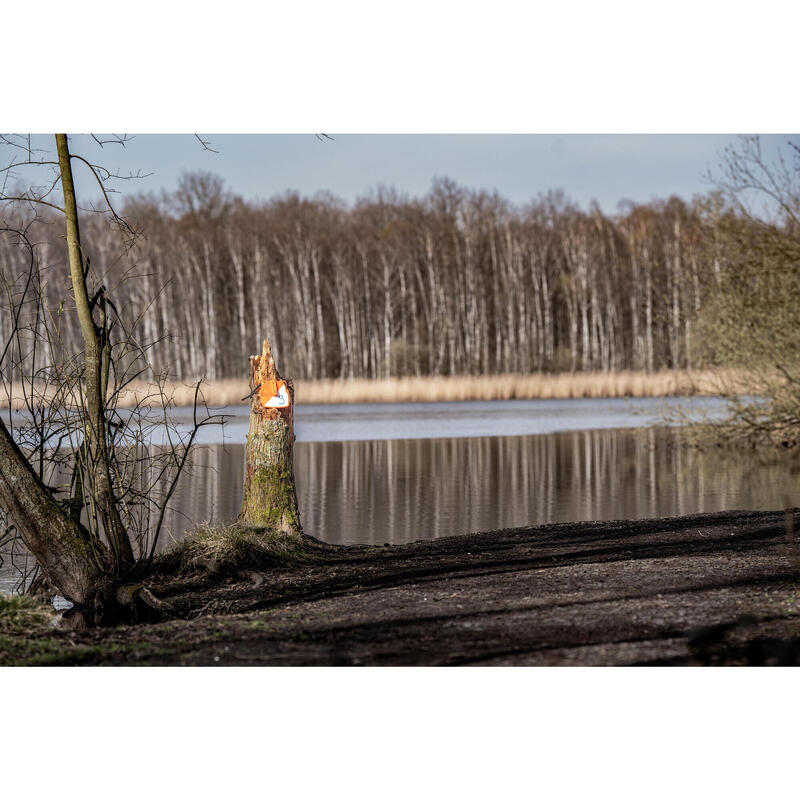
(274, 394)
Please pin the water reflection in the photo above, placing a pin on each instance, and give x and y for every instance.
(371, 485)
(402, 490)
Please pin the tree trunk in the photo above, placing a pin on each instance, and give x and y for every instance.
(74, 562)
(62, 547)
(95, 376)
(270, 500)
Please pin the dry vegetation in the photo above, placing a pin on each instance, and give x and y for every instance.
(21, 612)
(509, 387)
(628, 383)
(234, 547)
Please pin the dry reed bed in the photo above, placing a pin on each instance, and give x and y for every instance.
(665, 383)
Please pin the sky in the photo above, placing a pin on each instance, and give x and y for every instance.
(607, 168)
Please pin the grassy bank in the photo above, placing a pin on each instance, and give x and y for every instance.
(625, 383)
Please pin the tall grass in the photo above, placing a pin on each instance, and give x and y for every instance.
(233, 547)
(627, 383)
(508, 387)
(22, 612)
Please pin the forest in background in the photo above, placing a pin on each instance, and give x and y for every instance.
(458, 282)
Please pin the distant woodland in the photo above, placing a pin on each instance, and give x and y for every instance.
(456, 282)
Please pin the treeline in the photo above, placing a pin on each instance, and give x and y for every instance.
(456, 282)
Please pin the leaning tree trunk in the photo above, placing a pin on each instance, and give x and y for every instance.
(76, 564)
(63, 547)
(270, 500)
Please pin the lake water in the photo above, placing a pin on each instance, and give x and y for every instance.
(378, 473)
(383, 421)
(402, 490)
(399, 472)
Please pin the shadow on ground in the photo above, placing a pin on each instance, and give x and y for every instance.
(709, 589)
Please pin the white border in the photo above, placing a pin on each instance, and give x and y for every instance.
(399, 733)
(343, 66)
(422, 66)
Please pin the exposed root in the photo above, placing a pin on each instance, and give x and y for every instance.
(122, 604)
(133, 594)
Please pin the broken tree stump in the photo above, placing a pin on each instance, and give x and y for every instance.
(270, 500)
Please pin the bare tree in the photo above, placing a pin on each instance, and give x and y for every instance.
(456, 282)
(78, 477)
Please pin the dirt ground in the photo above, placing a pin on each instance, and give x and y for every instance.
(708, 589)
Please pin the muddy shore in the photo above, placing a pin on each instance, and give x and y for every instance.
(708, 589)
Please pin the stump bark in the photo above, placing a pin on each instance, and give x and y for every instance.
(270, 499)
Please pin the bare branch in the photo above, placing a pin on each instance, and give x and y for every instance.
(123, 223)
(116, 138)
(206, 144)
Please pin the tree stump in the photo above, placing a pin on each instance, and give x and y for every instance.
(270, 499)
